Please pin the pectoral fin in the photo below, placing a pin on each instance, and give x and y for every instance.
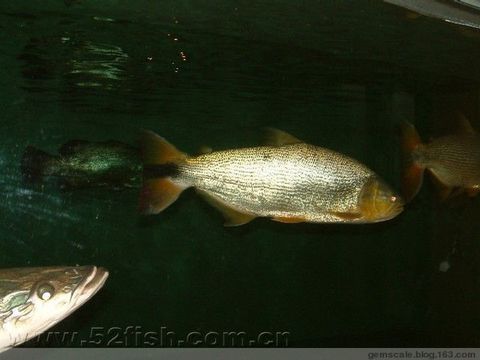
(232, 217)
(473, 191)
(347, 215)
(288, 220)
(275, 137)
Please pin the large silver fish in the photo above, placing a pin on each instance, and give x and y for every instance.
(287, 180)
(34, 299)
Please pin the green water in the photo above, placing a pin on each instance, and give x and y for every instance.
(339, 74)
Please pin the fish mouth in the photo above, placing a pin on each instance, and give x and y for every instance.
(93, 282)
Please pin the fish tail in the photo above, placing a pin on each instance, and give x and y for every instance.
(412, 176)
(36, 164)
(160, 164)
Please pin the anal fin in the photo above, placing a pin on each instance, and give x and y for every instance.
(444, 191)
(288, 220)
(232, 216)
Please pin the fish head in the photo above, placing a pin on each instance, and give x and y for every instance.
(378, 201)
(34, 299)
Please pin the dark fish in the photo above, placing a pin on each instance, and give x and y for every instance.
(453, 160)
(85, 164)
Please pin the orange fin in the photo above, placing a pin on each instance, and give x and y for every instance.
(412, 177)
(158, 191)
(288, 220)
(347, 215)
(232, 217)
(157, 150)
(158, 194)
(410, 138)
(275, 137)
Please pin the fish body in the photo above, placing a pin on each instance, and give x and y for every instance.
(34, 299)
(289, 182)
(86, 164)
(453, 160)
(460, 12)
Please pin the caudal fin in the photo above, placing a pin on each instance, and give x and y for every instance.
(35, 164)
(160, 161)
(412, 177)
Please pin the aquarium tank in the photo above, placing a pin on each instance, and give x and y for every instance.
(123, 122)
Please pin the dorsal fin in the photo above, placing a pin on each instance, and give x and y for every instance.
(464, 125)
(204, 149)
(275, 137)
(71, 147)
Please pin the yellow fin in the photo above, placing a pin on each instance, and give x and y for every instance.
(465, 126)
(158, 194)
(275, 137)
(347, 215)
(232, 217)
(157, 150)
(288, 220)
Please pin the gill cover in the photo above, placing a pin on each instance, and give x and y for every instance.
(377, 201)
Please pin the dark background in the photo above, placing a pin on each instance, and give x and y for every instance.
(340, 74)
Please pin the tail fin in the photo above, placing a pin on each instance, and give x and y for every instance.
(412, 177)
(35, 164)
(160, 160)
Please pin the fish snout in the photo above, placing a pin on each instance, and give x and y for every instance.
(92, 282)
(379, 202)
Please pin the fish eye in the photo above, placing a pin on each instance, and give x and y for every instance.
(393, 198)
(45, 291)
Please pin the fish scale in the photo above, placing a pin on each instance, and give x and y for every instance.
(456, 159)
(453, 160)
(292, 180)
